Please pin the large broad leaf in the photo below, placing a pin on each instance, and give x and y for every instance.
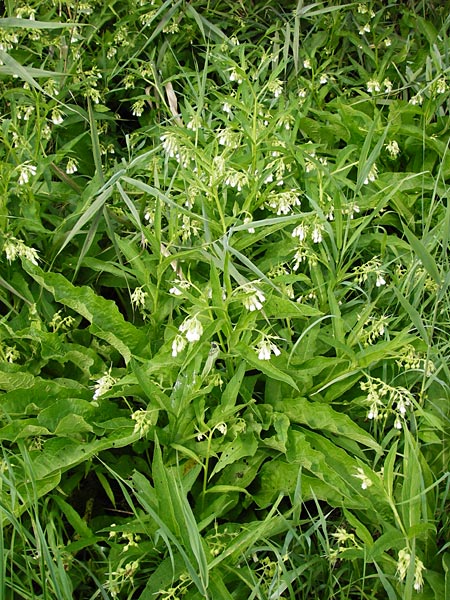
(106, 321)
(279, 477)
(61, 454)
(12, 380)
(265, 366)
(43, 467)
(244, 445)
(326, 472)
(53, 347)
(322, 417)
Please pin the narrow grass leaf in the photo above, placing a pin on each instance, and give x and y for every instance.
(424, 256)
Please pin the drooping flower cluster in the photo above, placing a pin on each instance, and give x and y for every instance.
(403, 563)
(385, 400)
(138, 297)
(372, 174)
(103, 384)
(26, 171)
(144, 420)
(192, 330)
(265, 348)
(411, 359)
(371, 268)
(283, 202)
(366, 482)
(174, 149)
(253, 299)
(374, 327)
(16, 248)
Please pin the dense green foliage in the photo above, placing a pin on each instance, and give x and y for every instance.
(224, 297)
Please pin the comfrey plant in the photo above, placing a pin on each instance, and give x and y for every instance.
(224, 299)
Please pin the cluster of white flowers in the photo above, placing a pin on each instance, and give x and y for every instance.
(103, 384)
(393, 149)
(178, 287)
(385, 400)
(188, 228)
(364, 29)
(253, 299)
(411, 359)
(285, 122)
(192, 331)
(138, 297)
(275, 86)
(235, 75)
(236, 179)
(24, 112)
(229, 138)
(8, 40)
(373, 86)
(372, 174)
(302, 230)
(265, 348)
(374, 327)
(129, 81)
(416, 100)
(403, 563)
(372, 267)
(312, 161)
(26, 170)
(137, 108)
(350, 209)
(441, 86)
(174, 149)
(283, 202)
(276, 169)
(304, 254)
(57, 116)
(14, 248)
(366, 482)
(221, 427)
(72, 166)
(194, 123)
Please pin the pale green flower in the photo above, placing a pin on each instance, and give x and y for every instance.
(192, 329)
(103, 384)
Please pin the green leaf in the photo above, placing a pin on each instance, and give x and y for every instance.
(244, 445)
(106, 321)
(80, 526)
(163, 577)
(13, 22)
(231, 391)
(414, 316)
(10, 380)
(424, 255)
(283, 307)
(323, 417)
(21, 429)
(279, 477)
(265, 366)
